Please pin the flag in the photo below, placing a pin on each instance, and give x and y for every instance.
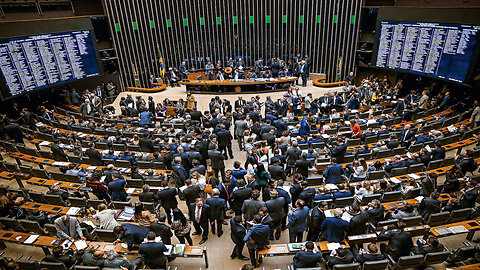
(160, 63)
(339, 69)
(135, 76)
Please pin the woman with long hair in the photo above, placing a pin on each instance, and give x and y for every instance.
(143, 217)
(181, 227)
(360, 170)
(261, 175)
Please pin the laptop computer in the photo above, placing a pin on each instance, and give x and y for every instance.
(127, 213)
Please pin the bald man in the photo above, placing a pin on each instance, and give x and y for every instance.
(68, 228)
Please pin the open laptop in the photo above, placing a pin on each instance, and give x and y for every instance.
(127, 213)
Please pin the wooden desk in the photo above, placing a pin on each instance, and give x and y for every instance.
(7, 175)
(321, 83)
(471, 225)
(159, 87)
(46, 182)
(55, 209)
(282, 249)
(234, 85)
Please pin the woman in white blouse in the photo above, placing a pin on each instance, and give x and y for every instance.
(361, 191)
(360, 170)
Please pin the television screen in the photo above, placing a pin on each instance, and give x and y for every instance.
(440, 50)
(34, 62)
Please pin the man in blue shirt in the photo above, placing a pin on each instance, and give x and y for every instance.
(335, 228)
(306, 258)
(333, 173)
(145, 118)
(257, 239)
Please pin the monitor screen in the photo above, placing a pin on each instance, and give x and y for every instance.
(34, 62)
(443, 51)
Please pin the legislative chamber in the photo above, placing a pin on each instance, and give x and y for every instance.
(213, 134)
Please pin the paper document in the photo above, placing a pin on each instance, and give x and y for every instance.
(458, 229)
(60, 163)
(409, 155)
(331, 186)
(73, 211)
(395, 180)
(419, 198)
(280, 248)
(108, 247)
(81, 245)
(428, 148)
(130, 190)
(329, 213)
(169, 250)
(91, 168)
(31, 239)
(179, 248)
(346, 216)
(414, 176)
(44, 143)
(196, 250)
(333, 246)
(443, 230)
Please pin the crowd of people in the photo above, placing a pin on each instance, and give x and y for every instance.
(267, 194)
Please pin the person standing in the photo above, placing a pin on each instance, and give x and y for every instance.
(297, 222)
(199, 216)
(218, 206)
(257, 239)
(275, 207)
(152, 252)
(237, 233)
(303, 71)
(224, 138)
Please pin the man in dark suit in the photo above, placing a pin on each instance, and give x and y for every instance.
(306, 258)
(199, 215)
(59, 255)
(161, 229)
(399, 241)
(429, 184)
(297, 222)
(146, 145)
(94, 157)
(293, 154)
(116, 188)
(358, 222)
(239, 195)
(406, 136)
(237, 233)
(256, 239)
(469, 195)
(303, 71)
(266, 219)
(376, 211)
(146, 195)
(302, 165)
(57, 152)
(167, 198)
(339, 150)
(131, 234)
(343, 256)
(152, 252)
(224, 138)
(281, 106)
(431, 245)
(276, 170)
(315, 220)
(217, 208)
(276, 206)
(191, 192)
(217, 160)
(334, 228)
(179, 172)
(371, 254)
(439, 152)
(240, 102)
(333, 173)
(396, 163)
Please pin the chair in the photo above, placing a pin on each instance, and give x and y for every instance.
(120, 205)
(413, 193)
(75, 159)
(159, 166)
(413, 221)
(416, 168)
(353, 142)
(399, 151)
(384, 223)
(94, 203)
(54, 199)
(350, 266)
(144, 164)
(368, 198)
(80, 267)
(40, 173)
(436, 257)
(53, 266)
(26, 169)
(77, 202)
(135, 183)
(123, 163)
(376, 175)
(459, 215)
(105, 235)
(101, 145)
(45, 154)
(57, 176)
(135, 148)
(118, 147)
(51, 230)
(462, 254)
(434, 164)
(313, 181)
(438, 218)
(406, 262)
(398, 171)
(73, 178)
(375, 265)
(384, 153)
(28, 264)
(448, 162)
(11, 223)
(32, 226)
(392, 196)
(342, 202)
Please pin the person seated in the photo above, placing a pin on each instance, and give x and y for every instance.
(92, 257)
(396, 163)
(452, 204)
(340, 256)
(364, 150)
(465, 162)
(375, 211)
(40, 217)
(114, 260)
(55, 190)
(406, 211)
(342, 192)
(399, 241)
(321, 195)
(142, 216)
(431, 245)
(371, 254)
(383, 130)
(60, 255)
(306, 258)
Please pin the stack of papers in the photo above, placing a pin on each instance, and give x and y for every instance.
(329, 213)
(458, 229)
(91, 168)
(346, 216)
(44, 143)
(130, 191)
(333, 246)
(419, 198)
(60, 163)
(330, 186)
(414, 176)
(395, 180)
(73, 211)
(428, 148)
(31, 239)
(81, 245)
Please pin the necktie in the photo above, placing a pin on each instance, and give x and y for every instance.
(199, 211)
(226, 191)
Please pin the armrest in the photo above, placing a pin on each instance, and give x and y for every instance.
(19, 257)
(468, 244)
(374, 228)
(28, 258)
(390, 258)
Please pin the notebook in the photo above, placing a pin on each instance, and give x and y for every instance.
(127, 213)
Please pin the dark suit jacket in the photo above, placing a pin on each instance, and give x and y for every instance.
(406, 135)
(191, 193)
(305, 259)
(217, 208)
(162, 230)
(116, 189)
(153, 255)
(224, 137)
(217, 158)
(168, 198)
(293, 154)
(267, 220)
(438, 153)
(94, 156)
(365, 257)
(333, 174)
(276, 172)
(334, 229)
(376, 214)
(316, 219)
(204, 216)
(400, 243)
(348, 258)
(57, 153)
(425, 249)
(302, 167)
(339, 152)
(469, 198)
(237, 232)
(428, 186)
(275, 208)
(146, 145)
(358, 224)
(238, 197)
(147, 197)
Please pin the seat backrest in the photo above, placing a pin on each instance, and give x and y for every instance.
(54, 199)
(459, 215)
(434, 164)
(438, 218)
(342, 202)
(416, 168)
(11, 223)
(398, 171)
(375, 265)
(81, 267)
(31, 226)
(51, 229)
(94, 203)
(36, 197)
(376, 175)
(384, 153)
(436, 257)
(368, 198)
(144, 164)
(27, 264)
(123, 163)
(106, 235)
(77, 202)
(53, 266)
(413, 221)
(135, 183)
(120, 205)
(383, 223)
(410, 261)
(350, 266)
(392, 196)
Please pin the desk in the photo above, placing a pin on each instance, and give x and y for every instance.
(46, 183)
(237, 86)
(471, 225)
(321, 83)
(55, 209)
(159, 87)
(282, 249)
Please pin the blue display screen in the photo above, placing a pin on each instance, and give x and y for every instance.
(440, 50)
(35, 62)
